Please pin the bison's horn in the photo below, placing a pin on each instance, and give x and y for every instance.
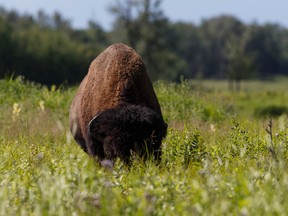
(90, 125)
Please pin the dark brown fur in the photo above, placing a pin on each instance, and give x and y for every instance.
(116, 83)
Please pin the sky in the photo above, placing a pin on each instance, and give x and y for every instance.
(194, 11)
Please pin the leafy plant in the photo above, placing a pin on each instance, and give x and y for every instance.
(184, 148)
(208, 167)
(271, 110)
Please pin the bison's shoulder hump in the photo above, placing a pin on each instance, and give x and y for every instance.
(118, 58)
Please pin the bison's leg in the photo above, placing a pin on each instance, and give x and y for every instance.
(95, 148)
(79, 138)
(81, 143)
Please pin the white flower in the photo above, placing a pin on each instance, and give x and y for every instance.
(16, 110)
(41, 105)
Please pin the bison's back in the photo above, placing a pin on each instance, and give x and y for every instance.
(116, 76)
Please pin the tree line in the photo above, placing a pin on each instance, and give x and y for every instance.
(46, 49)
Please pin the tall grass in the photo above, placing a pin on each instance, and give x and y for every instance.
(217, 157)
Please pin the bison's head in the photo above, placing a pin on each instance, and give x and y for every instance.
(129, 128)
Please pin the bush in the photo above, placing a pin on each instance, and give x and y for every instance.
(271, 110)
(184, 148)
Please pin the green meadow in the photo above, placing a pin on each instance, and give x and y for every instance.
(226, 153)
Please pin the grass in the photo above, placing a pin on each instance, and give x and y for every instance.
(220, 156)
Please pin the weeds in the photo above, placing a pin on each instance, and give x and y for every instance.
(184, 148)
(212, 164)
(271, 147)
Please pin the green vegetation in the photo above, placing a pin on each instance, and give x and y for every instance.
(225, 153)
(47, 49)
(219, 157)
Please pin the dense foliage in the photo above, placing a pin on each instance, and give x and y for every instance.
(220, 156)
(48, 50)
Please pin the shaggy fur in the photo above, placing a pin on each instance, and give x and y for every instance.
(115, 110)
(128, 128)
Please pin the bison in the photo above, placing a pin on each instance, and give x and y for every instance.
(115, 112)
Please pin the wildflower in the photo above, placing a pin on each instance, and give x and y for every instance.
(41, 105)
(277, 134)
(16, 111)
(212, 127)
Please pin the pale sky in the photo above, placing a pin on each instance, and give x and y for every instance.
(80, 11)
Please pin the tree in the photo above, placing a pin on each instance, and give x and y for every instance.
(93, 36)
(125, 15)
(265, 42)
(214, 34)
(59, 23)
(46, 49)
(240, 63)
(8, 48)
(144, 27)
(184, 40)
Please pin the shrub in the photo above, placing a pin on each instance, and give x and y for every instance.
(184, 147)
(271, 110)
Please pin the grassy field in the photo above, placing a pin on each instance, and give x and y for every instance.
(223, 155)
